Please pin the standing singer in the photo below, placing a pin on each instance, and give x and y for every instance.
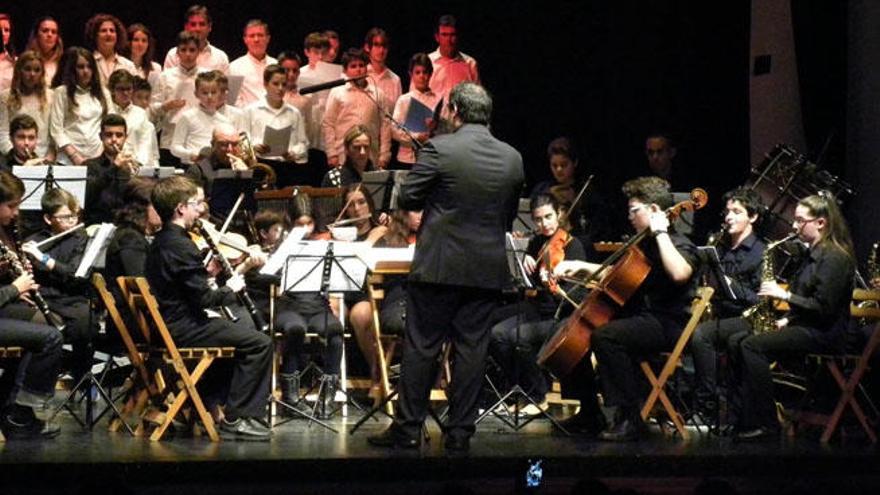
(468, 185)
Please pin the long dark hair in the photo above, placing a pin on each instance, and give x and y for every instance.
(146, 63)
(34, 45)
(824, 205)
(136, 198)
(66, 76)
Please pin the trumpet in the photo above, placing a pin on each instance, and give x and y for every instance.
(267, 174)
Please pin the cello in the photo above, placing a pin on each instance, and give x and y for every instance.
(625, 271)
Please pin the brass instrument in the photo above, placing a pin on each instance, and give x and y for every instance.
(19, 265)
(762, 316)
(269, 177)
(873, 273)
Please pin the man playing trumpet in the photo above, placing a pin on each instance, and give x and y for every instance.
(108, 173)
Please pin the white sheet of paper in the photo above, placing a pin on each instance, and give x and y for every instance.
(373, 256)
(278, 140)
(96, 246)
(304, 270)
(276, 262)
(71, 178)
(235, 83)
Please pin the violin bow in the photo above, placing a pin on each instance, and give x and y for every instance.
(348, 203)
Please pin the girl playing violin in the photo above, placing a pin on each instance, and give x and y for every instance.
(517, 338)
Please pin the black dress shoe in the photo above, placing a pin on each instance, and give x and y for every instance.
(30, 430)
(394, 437)
(457, 444)
(625, 430)
(759, 434)
(584, 424)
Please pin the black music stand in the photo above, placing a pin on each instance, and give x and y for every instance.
(521, 282)
(37, 180)
(383, 187)
(339, 273)
(93, 258)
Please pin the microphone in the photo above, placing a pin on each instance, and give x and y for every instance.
(330, 84)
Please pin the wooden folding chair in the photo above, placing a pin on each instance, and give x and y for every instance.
(865, 306)
(673, 361)
(144, 306)
(9, 353)
(386, 345)
(142, 387)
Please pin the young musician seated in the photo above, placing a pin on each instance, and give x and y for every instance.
(650, 321)
(517, 339)
(38, 372)
(295, 313)
(740, 252)
(23, 133)
(179, 280)
(108, 173)
(357, 143)
(818, 297)
(54, 267)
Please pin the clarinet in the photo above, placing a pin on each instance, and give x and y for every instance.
(243, 295)
(20, 265)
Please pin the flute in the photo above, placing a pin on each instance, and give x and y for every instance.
(55, 237)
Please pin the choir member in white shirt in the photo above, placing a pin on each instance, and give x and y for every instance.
(451, 66)
(7, 52)
(176, 90)
(291, 63)
(376, 45)
(251, 65)
(198, 21)
(355, 103)
(233, 114)
(78, 104)
(141, 141)
(334, 43)
(192, 134)
(273, 112)
(45, 40)
(141, 52)
(28, 95)
(317, 71)
(420, 70)
(106, 35)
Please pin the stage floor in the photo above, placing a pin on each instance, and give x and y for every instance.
(303, 458)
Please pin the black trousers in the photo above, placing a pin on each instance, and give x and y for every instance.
(294, 324)
(515, 345)
(756, 354)
(710, 337)
(437, 313)
(251, 372)
(38, 370)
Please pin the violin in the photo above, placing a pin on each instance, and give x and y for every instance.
(622, 274)
(233, 246)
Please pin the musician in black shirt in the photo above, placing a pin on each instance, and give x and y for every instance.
(179, 281)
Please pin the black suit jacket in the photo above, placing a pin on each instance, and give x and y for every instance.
(468, 184)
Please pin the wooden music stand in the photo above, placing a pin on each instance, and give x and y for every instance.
(673, 361)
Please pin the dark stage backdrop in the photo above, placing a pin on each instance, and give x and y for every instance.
(602, 72)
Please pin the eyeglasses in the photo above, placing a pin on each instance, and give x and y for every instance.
(195, 202)
(66, 218)
(804, 221)
(635, 209)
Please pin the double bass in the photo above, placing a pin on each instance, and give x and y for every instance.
(622, 274)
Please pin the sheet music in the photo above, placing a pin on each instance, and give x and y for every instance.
(719, 279)
(276, 262)
(71, 178)
(516, 254)
(235, 83)
(388, 257)
(417, 116)
(96, 250)
(278, 140)
(304, 268)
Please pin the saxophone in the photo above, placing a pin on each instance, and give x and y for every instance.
(762, 316)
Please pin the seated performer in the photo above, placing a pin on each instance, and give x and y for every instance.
(649, 322)
(357, 159)
(225, 154)
(136, 223)
(294, 314)
(54, 268)
(818, 296)
(740, 253)
(109, 172)
(24, 134)
(179, 281)
(41, 342)
(517, 339)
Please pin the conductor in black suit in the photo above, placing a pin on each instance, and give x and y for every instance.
(468, 184)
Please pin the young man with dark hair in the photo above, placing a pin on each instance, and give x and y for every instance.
(23, 133)
(376, 45)
(420, 70)
(108, 173)
(179, 280)
(451, 66)
(141, 142)
(175, 92)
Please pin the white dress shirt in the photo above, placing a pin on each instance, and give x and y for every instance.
(308, 76)
(249, 67)
(30, 105)
(175, 83)
(348, 106)
(141, 139)
(193, 132)
(450, 71)
(6, 68)
(79, 126)
(210, 58)
(107, 66)
(389, 83)
(261, 115)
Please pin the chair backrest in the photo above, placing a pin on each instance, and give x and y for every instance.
(144, 306)
(326, 201)
(698, 308)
